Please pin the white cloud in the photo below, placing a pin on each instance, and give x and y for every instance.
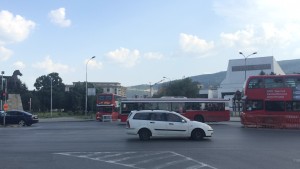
(19, 65)
(239, 38)
(58, 17)
(272, 21)
(124, 57)
(5, 54)
(49, 66)
(278, 10)
(94, 64)
(193, 44)
(14, 28)
(153, 56)
(279, 19)
(264, 35)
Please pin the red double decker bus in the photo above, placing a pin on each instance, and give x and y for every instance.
(198, 109)
(107, 104)
(272, 101)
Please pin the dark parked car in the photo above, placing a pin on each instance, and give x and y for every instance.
(21, 118)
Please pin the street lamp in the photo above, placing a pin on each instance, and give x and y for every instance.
(167, 78)
(86, 92)
(151, 86)
(246, 57)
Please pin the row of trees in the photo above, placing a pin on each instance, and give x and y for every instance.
(39, 99)
(179, 88)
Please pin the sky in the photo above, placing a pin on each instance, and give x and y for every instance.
(141, 42)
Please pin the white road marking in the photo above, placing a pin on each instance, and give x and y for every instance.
(141, 160)
(296, 160)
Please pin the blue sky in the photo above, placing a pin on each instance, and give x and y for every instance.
(140, 42)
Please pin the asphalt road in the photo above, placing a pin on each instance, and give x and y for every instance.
(94, 145)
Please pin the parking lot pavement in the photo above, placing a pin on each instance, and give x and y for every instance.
(235, 119)
(75, 119)
(57, 119)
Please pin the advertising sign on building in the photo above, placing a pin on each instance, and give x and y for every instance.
(91, 91)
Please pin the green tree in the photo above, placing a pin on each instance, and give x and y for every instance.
(185, 87)
(75, 98)
(43, 86)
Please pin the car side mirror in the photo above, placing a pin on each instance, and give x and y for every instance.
(183, 121)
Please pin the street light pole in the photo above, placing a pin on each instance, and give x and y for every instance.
(51, 96)
(86, 92)
(2, 72)
(246, 57)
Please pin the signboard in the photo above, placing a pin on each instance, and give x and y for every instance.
(278, 94)
(251, 67)
(91, 92)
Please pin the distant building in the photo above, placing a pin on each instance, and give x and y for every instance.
(208, 93)
(239, 70)
(107, 87)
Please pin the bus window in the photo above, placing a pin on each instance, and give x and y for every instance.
(256, 83)
(275, 106)
(290, 82)
(128, 107)
(105, 98)
(293, 106)
(296, 106)
(105, 109)
(211, 106)
(178, 107)
(148, 106)
(220, 106)
(163, 106)
(252, 105)
(274, 83)
(193, 106)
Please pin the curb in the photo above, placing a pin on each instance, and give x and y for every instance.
(51, 120)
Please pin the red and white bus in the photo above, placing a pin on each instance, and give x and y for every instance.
(272, 101)
(198, 109)
(107, 104)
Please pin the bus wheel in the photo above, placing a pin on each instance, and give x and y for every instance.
(199, 118)
(144, 134)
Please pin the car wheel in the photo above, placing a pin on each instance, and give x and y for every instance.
(197, 134)
(199, 118)
(21, 123)
(29, 124)
(144, 134)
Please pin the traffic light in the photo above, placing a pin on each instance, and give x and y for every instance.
(3, 95)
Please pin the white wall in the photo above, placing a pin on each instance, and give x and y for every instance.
(235, 76)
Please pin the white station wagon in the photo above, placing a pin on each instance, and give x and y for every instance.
(148, 123)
